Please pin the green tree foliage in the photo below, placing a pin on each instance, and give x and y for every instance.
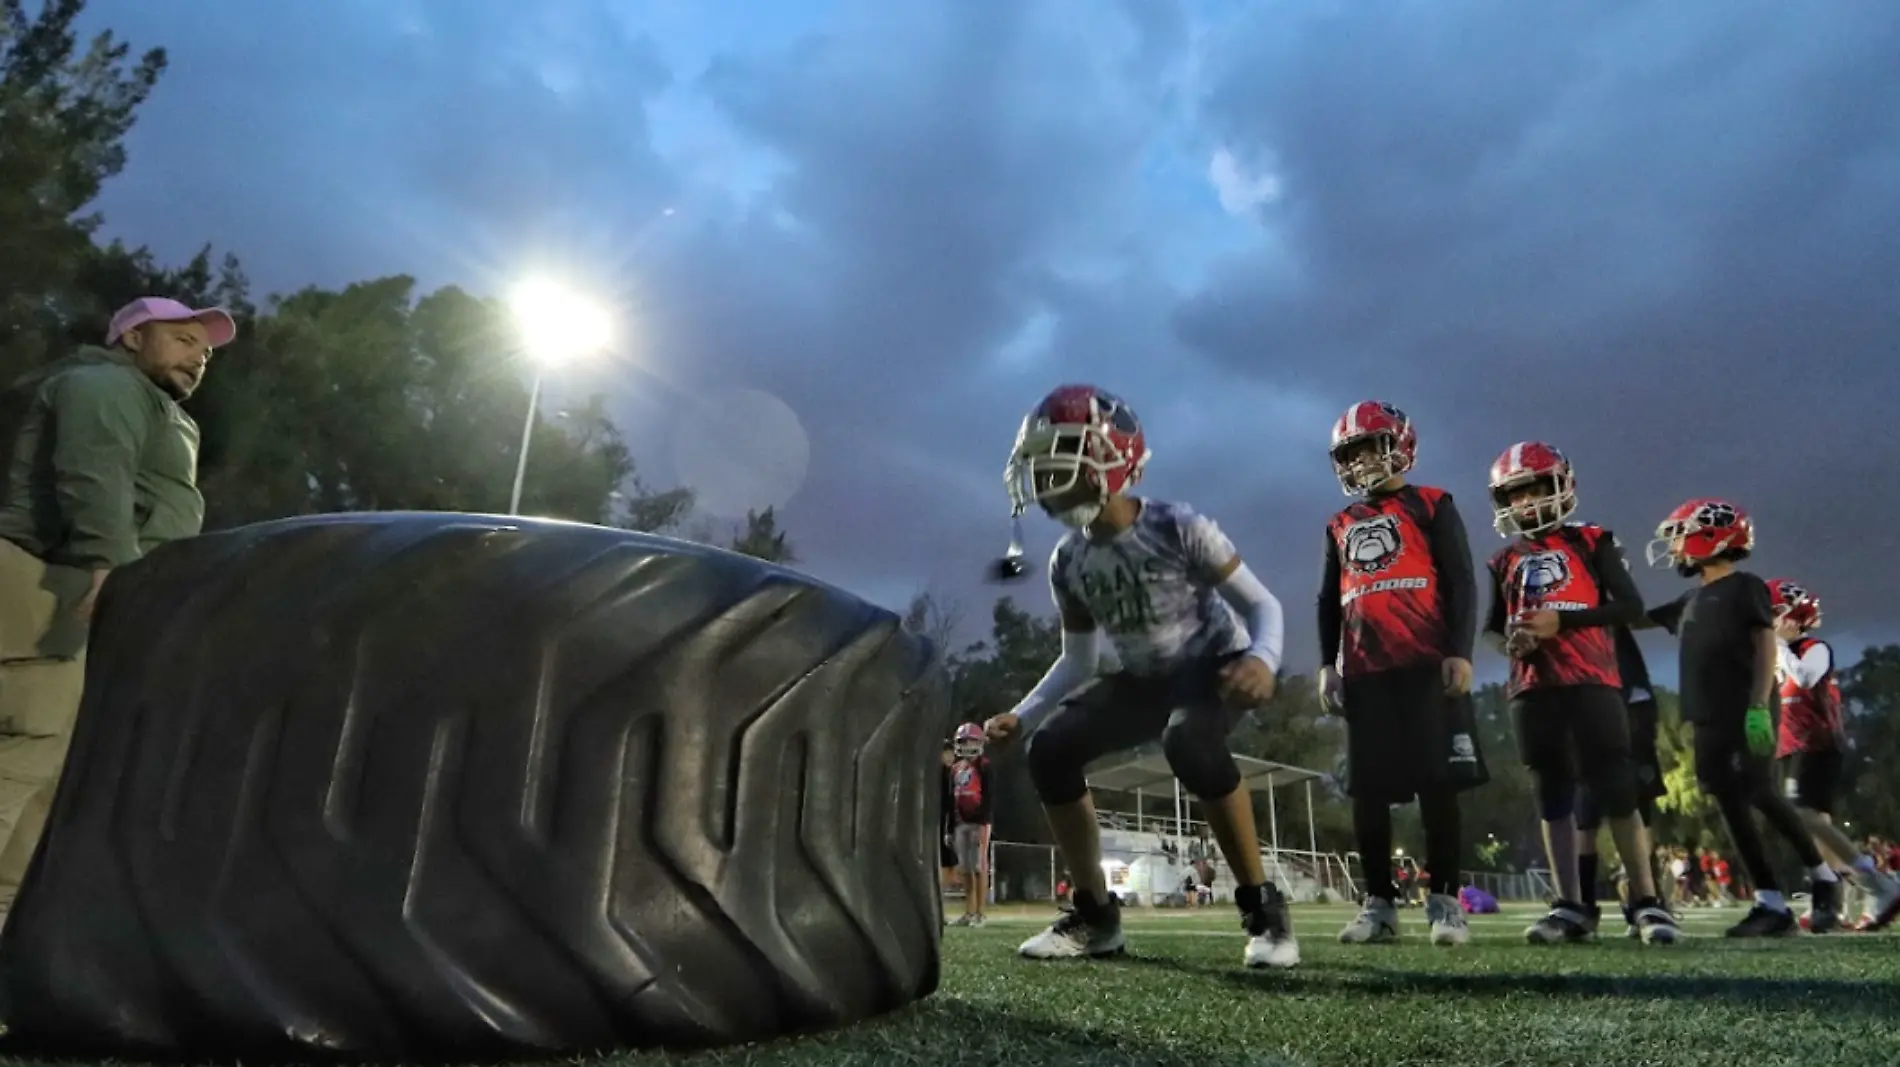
(1871, 688)
(761, 538)
(64, 111)
(371, 398)
(988, 678)
(1684, 815)
(1296, 730)
(1500, 817)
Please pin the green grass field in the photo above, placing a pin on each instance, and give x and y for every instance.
(1180, 997)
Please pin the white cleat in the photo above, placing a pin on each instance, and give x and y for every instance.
(1278, 951)
(1447, 919)
(1885, 889)
(1076, 936)
(1270, 941)
(1376, 924)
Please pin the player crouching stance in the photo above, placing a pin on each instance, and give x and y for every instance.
(1810, 744)
(1727, 656)
(1557, 591)
(1199, 641)
(1398, 608)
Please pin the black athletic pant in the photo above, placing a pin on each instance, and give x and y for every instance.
(1406, 739)
(1741, 783)
(1372, 825)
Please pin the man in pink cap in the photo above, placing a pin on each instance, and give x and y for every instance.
(100, 467)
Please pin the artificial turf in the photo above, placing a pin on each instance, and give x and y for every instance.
(1180, 997)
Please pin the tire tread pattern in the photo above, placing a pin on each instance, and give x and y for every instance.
(440, 787)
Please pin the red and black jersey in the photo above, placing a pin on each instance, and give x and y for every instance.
(1811, 715)
(970, 792)
(1576, 570)
(1398, 589)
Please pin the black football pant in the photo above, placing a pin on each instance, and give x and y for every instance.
(1741, 783)
(1372, 825)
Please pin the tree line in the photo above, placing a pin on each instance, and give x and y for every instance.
(378, 396)
(375, 397)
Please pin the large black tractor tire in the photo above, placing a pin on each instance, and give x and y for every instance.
(433, 787)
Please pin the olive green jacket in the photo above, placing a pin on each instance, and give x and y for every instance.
(100, 464)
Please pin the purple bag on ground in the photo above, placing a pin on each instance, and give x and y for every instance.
(1476, 901)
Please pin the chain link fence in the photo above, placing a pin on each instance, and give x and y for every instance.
(1024, 873)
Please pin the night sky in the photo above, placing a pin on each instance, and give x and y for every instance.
(1664, 236)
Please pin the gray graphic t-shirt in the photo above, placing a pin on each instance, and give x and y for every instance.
(1151, 588)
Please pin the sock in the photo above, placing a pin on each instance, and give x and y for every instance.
(1822, 873)
(1587, 879)
(1248, 898)
(1770, 899)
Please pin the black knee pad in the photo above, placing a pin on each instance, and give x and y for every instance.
(1055, 767)
(1199, 758)
(1614, 791)
(1556, 797)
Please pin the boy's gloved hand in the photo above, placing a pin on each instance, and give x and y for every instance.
(1759, 726)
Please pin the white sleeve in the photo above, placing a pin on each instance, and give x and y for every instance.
(1266, 622)
(1081, 652)
(1206, 546)
(1811, 666)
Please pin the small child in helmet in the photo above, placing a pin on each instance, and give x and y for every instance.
(970, 807)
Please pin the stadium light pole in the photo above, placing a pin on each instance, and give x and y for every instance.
(557, 325)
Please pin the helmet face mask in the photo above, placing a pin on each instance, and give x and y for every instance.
(1075, 452)
(1058, 469)
(1794, 604)
(969, 741)
(1372, 443)
(1533, 490)
(1699, 533)
(1365, 463)
(1552, 501)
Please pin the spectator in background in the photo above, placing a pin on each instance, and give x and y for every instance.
(972, 804)
(947, 823)
(101, 467)
(1679, 874)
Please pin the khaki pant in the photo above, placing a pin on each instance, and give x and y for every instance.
(42, 672)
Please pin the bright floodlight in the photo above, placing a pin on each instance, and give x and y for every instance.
(558, 324)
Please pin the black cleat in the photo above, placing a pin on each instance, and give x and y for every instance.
(1765, 922)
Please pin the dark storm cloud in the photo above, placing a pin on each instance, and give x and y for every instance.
(1665, 236)
(939, 177)
(331, 142)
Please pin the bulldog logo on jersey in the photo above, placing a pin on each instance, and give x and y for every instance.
(1371, 545)
(1542, 574)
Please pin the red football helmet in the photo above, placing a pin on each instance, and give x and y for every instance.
(969, 741)
(1794, 603)
(1701, 531)
(1542, 466)
(1395, 446)
(1079, 447)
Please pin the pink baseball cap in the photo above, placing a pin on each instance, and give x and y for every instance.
(216, 321)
